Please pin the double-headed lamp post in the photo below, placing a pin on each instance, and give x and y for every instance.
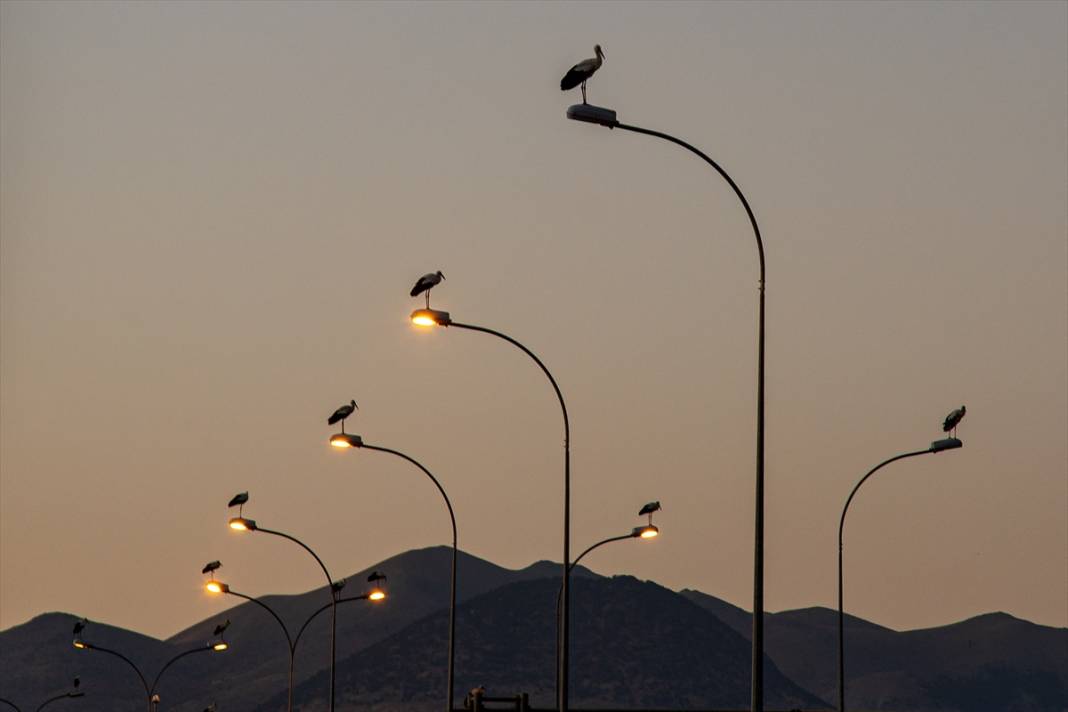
(73, 694)
(607, 117)
(217, 646)
(376, 594)
(243, 524)
(344, 441)
(936, 447)
(435, 317)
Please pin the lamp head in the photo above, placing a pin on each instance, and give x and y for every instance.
(214, 586)
(430, 317)
(220, 646)
(376, 594)
(649, 531)
(592, 114)
(345, 440)
(946, 444)
(243, 524)
(80, 644)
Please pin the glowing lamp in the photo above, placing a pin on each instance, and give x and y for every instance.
(80, 645)
(242, 524)
(220, 646)
(344, 440)
(647, 532)
(430, 317)
(217, 586)
(376, 595)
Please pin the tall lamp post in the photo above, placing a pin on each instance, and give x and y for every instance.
(434, 317)
(213, 586)
(607, 117)
(241, 523)
(151, 697)
(344, 440)
(936, 447)
(649, 531)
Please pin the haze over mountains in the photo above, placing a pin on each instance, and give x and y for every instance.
(635, 645)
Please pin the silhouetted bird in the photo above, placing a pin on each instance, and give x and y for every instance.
(649, 508)
(79, 626)
(577, 75)
(342, 413)
(425, 283)
(221, 627)
(375, 576)
(211, 566)
(238, 499)
(77, 682)
(953, 419)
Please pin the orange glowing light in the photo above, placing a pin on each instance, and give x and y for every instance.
(649, 532)
(220, 646)
(377, 595)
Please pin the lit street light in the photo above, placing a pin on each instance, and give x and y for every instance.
(607, 117)
(345, 441)
(241, 523)
(151, 696)
(936, 447)
(215, 586)
(434, 317)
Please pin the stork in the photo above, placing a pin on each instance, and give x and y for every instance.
(375, 577)
(577, 75)
(239, 500)
(953, 419)
(219, 629)
(425, 283)
(342, 413)
(79, 626)
(211, 567)
(649, 509)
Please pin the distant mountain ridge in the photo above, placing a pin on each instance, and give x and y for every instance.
(635, 644)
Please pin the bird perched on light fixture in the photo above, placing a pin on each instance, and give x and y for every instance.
(953, 419)
(577, 75)
(341, 413)
(79, 626)
(211, 567)
(425, 283)
(376, 577)
(221, 628)
(239, 500)
(649, 509)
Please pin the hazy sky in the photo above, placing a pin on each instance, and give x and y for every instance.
(212, 213)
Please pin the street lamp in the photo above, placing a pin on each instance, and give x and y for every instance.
(241, 523)
(151, 696)
(649, 531)
(435, 317)
(936, 447)
(73, 694)
(607, 117)
(215, 586)
(346, 441)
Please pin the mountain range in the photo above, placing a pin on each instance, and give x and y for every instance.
(635, 645)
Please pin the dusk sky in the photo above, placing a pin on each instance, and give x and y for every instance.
(211, 215)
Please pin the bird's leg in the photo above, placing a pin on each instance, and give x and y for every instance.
(583, 92)
(428, 299)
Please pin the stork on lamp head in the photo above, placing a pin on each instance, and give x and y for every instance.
(211, 567)
(952, 420)
(341, 413)
(649, 509)
(239, 500)
(581, 72)
(425, 283)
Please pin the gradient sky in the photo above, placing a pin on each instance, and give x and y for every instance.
(211, 215)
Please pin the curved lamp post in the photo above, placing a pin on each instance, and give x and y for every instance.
(241, 523)
(151, 697)
(344, 440)
(607, 117)
(50, 700)
(213, 586)
(649, 531)
(434, 317)
(936, 447)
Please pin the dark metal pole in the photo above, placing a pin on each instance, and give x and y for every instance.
(562, 633)
(176, 658)
(285, 630)
(333, 604)
(144, 682)
(560, 593)
(758, 523)
(452, 583)
(937, 446)
(64, 696)
(11, 704)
